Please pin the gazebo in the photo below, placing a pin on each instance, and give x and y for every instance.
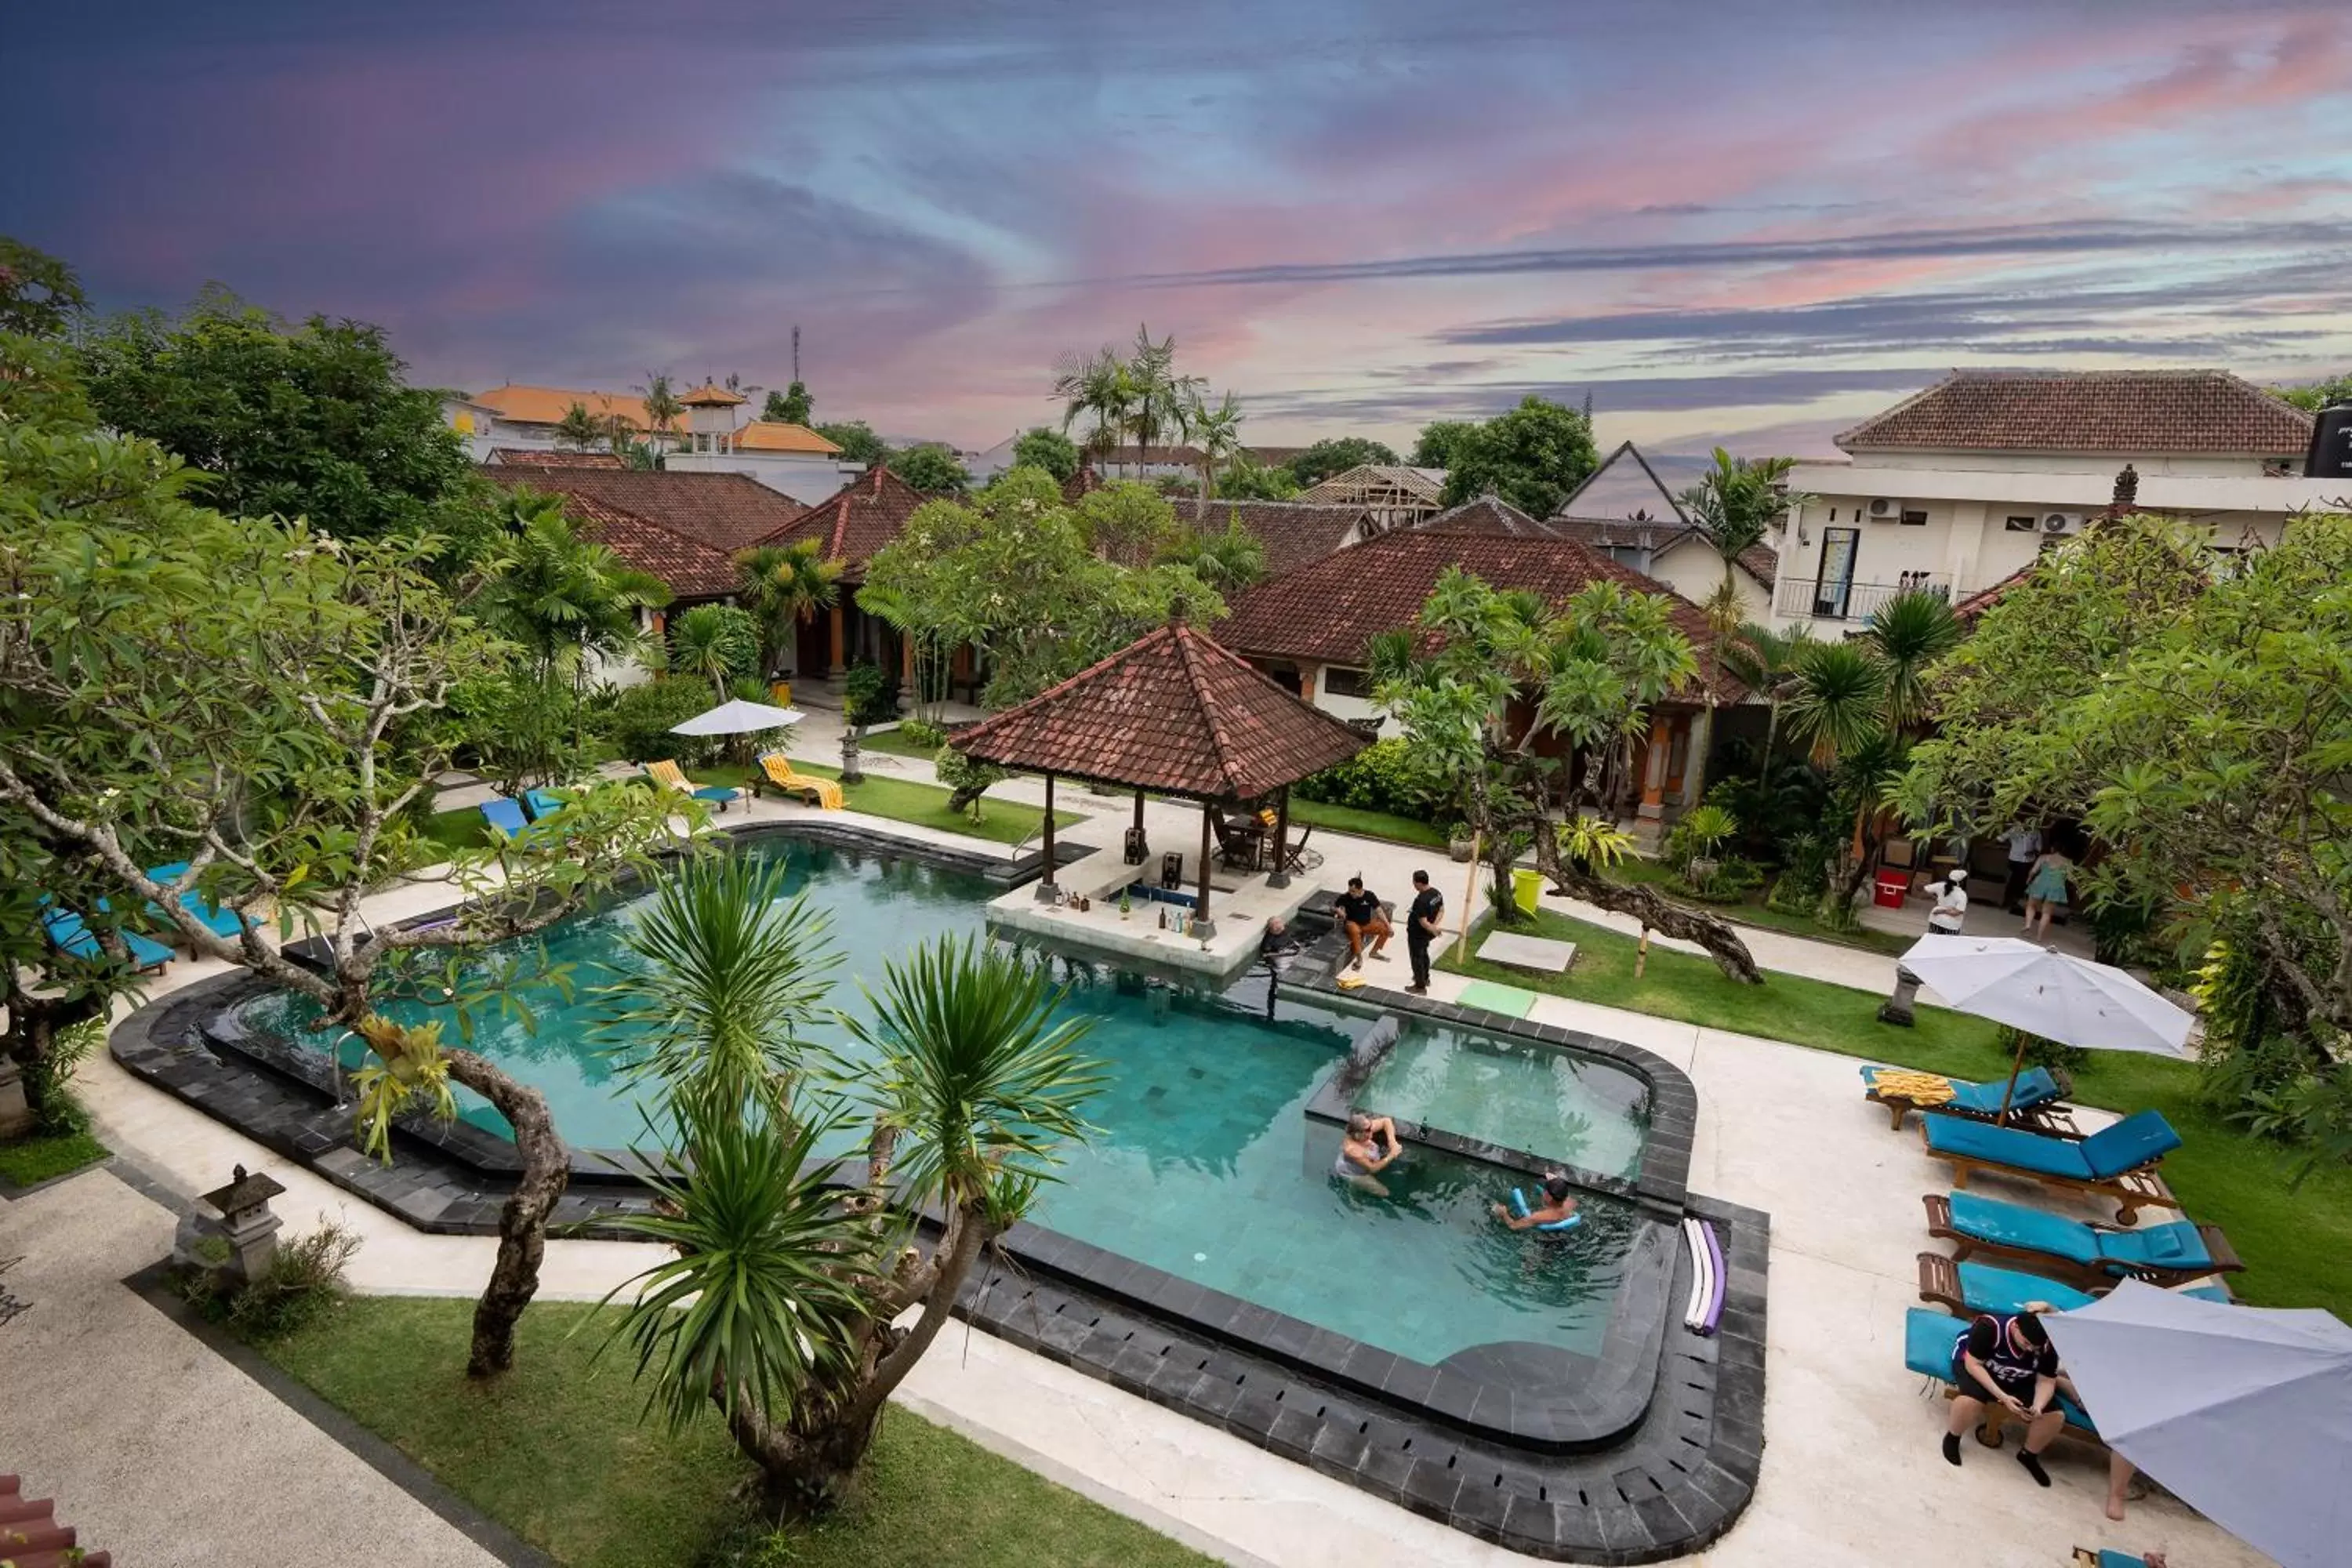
(1171, 713)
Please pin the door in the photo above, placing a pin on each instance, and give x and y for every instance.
(1836, 578)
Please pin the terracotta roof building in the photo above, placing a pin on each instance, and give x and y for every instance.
(691, 569)
(728, 513)
(1491, 514)
(1171, 713)
(866, 515)
(1292, 532)
(519, 405)
(2126, 412)
(1396, 496)
(514, 424)
(552, 457)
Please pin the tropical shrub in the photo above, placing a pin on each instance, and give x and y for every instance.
(966, 780)
(1698, 835)
(304, 1279)
(1383, 776)
(641, 717)
(921, 735)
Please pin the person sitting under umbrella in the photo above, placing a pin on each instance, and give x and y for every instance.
(2006, 1361)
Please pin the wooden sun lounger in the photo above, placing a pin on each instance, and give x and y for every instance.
(2053, 1115)
(2133, 1189)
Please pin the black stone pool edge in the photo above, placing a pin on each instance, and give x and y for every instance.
(1684, 1419)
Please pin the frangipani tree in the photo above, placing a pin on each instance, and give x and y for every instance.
(1527, 712)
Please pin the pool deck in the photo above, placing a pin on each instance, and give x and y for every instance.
(1852, 1477)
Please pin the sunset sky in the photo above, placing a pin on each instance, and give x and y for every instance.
(1752, 222)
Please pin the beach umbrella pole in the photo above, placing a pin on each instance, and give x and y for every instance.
(2015, 1068)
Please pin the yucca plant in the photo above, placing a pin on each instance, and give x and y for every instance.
(1909, 634)
(1839, 701)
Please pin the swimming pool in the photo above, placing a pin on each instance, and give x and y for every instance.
(1205, 1165)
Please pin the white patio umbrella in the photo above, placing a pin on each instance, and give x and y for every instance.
(2243, 1413)
(2044, 991)
(738, 718)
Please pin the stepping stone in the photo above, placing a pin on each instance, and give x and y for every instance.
(1527, 951)
(1508, 1000)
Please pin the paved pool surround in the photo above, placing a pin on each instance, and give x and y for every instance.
(1646, 1450)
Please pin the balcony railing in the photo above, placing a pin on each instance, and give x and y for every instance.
(1855, 602)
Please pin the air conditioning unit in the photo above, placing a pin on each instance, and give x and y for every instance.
(2062, 521)
(1884, 510)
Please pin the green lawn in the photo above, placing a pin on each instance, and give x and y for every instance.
(1752, 911)
(557, 1453)
(32, 1160)
(463, 828)
(1365, 823)
(2297, 1244)
(903, 800)
(897, 744)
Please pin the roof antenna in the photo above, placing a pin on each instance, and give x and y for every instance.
(796, 350)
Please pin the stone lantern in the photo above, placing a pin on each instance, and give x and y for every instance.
(246, 1223)
(1897, 1009)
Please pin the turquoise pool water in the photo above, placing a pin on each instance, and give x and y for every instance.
(1204, 1164)
(1518, 1094)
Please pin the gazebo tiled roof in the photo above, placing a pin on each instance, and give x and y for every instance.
(1171, 713)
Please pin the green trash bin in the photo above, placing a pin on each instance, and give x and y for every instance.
(1526, 886)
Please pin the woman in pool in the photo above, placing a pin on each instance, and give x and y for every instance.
(1369, 1146)
(1558, 1207)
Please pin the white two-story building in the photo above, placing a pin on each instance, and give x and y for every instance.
(1959, 486)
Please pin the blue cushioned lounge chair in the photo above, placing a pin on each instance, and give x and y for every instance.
(222, 922)
(2089, 1256)
(542, 803)
(505, 815)
(69, 936)
(1930, 1338)
(2035, 1104)
(2117, 1162)
(1972, 1287)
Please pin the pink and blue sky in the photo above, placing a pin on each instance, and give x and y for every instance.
(1724, 220)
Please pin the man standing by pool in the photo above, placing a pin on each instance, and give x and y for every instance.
(1359, 913)
(1422, 925)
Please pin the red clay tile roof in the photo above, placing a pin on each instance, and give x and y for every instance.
(691, 569)
(1329, 611)
(1985, 597)
(2124, 410)
(1758, 560)
(1292, 532)
(1491, 514)
(859, 519)
(728, 513)
(1762, 563)
(1172, 712)
(524, 458)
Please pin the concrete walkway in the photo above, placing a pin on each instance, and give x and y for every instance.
(1852, 1476)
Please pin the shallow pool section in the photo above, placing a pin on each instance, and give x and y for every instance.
(1205, 1165)
(1516, 1094)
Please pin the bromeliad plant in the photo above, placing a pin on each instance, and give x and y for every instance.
(781, 1310)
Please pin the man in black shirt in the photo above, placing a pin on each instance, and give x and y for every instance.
(1422, 925)
(1359, 913)
(2007, 1362)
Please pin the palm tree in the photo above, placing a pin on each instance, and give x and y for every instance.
(568, 601)
(1098, 386)
(662, 407)
(1767, 662)
(715, 642)
(1216, 432)
(1839, 703)
(785, 586)
(579, 429)
(1230, 559)
(1737, 500)
(1160, 394)
(778, 1309)
(1909, 633)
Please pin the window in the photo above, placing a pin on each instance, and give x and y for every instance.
(1914, 520)
(1339, 682)
(2027, 524)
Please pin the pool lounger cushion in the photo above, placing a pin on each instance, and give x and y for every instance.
(1988, 1288)
(2083, 1254)
(2118, 1161)
(2036, 1097)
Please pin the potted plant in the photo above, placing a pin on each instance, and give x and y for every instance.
(1459, 844)
(1704, 828)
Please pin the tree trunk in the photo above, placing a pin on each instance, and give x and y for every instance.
(1657, 914)
(522, 1223)
(1499, 862)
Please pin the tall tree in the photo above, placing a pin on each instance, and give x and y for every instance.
(1518, 711)
(1324, 458)
(1531, 457)
(784, 587)
(857, 441)
(1100, 388)
(794, 406)
(312, 421)
(1161, 395)
(1215, 432)
(1245, 480)
(1228, 559)
(1440, 439)
(1767, 662)
(1735, 501)
(932, 469)
(39, 295)
(1909, 634)
(235, 694)
(662, 409)
(718, 643)
(1049, 449)
(794, 1334)
(581, 430)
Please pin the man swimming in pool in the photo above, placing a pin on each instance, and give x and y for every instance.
(1558, 1205)
(1369, 1146)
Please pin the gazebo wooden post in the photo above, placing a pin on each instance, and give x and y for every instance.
(1047, 889)
(1202, 926)
(1280, 876)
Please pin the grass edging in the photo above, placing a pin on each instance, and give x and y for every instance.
(29, 1163)
(2297, 1246)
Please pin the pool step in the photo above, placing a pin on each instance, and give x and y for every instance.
(30, 1536)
